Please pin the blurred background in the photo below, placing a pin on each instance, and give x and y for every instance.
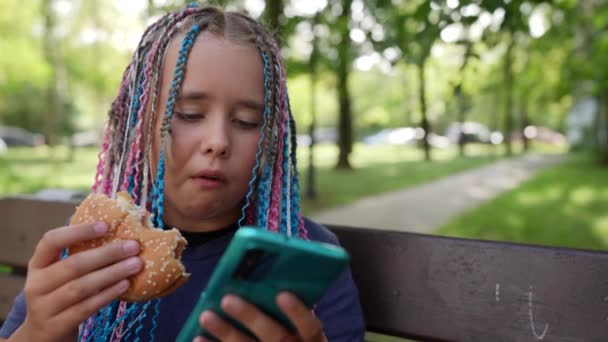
(391, 97)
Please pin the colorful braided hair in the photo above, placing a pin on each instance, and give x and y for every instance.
(124, 161)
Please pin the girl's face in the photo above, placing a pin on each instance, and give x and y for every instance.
(216, 127)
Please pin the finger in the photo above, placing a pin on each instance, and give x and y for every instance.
(261, 325)
(79, 289)
(308, 326)
(220, 329)
(77, 314)
(202, 339)
(54, 241)
(83, 263)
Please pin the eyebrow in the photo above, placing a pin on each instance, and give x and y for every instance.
(199, 95)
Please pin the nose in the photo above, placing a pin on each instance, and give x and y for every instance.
(216, 139)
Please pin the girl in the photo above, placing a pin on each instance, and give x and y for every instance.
(201, 133)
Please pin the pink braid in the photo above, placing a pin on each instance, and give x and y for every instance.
(135, 152)
(101, 161)
(302, 231)
(277, 179)
(117, 333)
(87, 329)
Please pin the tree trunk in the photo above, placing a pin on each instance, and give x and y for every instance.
(314, 57)
(424, 122)
(51, 56)
(461, 98)
(406, 98)
(345, 140)
(601, 128)
(273, 15)
(461, 119)
(525, 122)
(508, 71)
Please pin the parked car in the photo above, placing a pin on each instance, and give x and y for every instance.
(326, 135)
(16, 136)
(540, 134)
(472, 132)
(394, 136)
(2, 147)
(86, 139)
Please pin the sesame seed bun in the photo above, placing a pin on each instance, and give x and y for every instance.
(160, 251)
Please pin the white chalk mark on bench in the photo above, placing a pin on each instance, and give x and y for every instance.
(497, 293)
(531, 314)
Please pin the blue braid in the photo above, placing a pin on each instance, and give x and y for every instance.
(136, 105)
(295, 183)
(178, 75)
(159, 184)
(110, 314)
(262, 136)
(122, 318)
(159, 192)
(178, 78)
(134, 308)
(264, 195)
(154, 319)
(140, 319)
(265, 185)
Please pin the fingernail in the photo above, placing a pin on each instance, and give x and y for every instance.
(231, 303)
(100, 228)
(133, 264)
(130, 246)
(207, 319)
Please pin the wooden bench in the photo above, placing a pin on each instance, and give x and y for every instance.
(421, 287)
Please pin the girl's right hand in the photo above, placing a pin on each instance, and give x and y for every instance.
(61, 294)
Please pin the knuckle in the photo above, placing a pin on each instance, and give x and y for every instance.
(76, 289)
(73, 266)
(85, 310)
(49, 238)
(29, 291)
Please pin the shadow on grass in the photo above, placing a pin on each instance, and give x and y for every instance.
(341, 187)
(564, 206)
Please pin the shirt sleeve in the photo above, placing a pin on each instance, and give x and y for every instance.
(340, 311)
(15, 317)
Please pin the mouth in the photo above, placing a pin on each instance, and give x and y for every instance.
(210, 176)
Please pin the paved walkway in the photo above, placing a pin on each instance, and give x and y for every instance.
(428, 206)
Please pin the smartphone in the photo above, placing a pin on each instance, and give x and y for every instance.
(257, 266)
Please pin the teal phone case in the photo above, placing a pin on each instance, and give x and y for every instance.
(259, 264)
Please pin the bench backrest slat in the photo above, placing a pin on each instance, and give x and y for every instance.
(411, 285)
(23, 221)
(437, 288)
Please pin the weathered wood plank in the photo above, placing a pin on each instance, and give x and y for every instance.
(436, 288)
(24, 222)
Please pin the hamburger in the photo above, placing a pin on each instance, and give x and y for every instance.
(160, 250)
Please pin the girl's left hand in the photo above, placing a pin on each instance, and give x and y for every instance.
(309, 327)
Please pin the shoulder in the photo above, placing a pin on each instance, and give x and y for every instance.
(320, 233)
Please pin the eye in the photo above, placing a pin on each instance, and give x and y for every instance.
(188, 117)
(246, 124)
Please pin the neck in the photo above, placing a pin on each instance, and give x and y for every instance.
(173, 218)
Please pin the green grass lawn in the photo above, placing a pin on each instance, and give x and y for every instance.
(566, 205)
(377, 169)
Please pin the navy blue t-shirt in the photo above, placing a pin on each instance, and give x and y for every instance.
(339, 310)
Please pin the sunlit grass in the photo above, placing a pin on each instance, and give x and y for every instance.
(377, 169)
(566, 205)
